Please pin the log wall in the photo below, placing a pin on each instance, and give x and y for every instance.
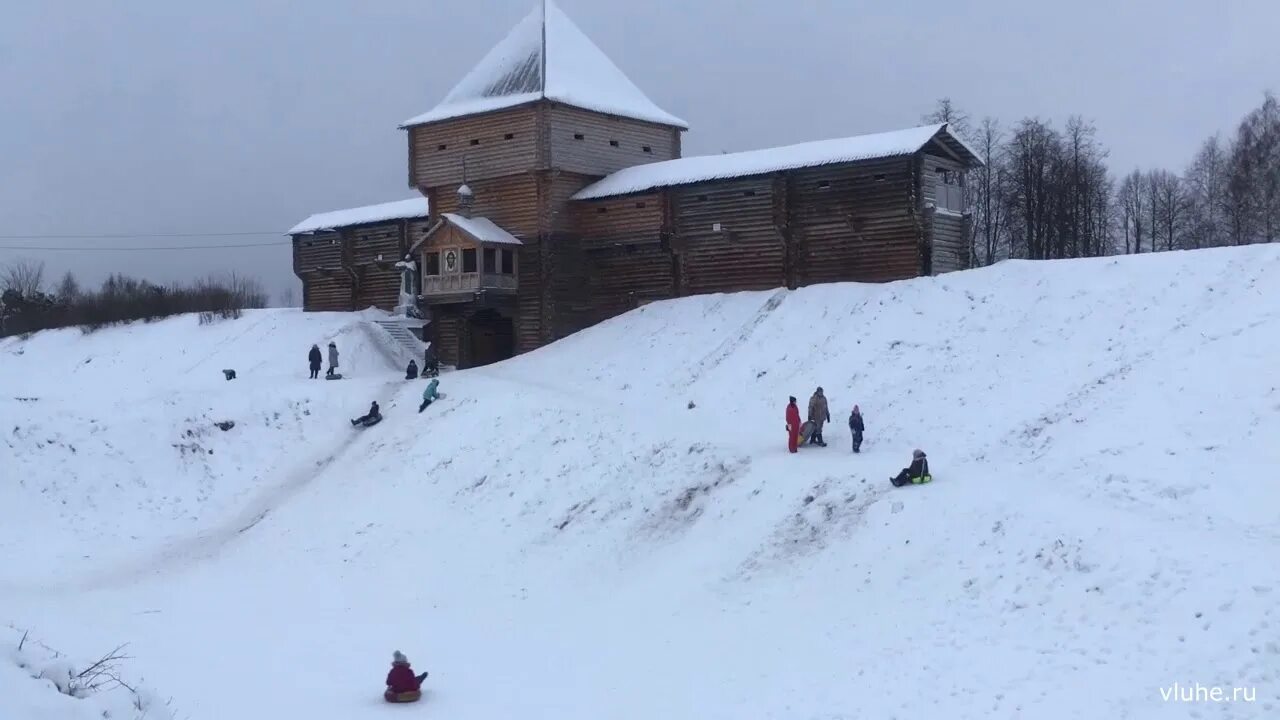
(946, 230)
(375, 250)
(855, 222)
(511, 201)
(318, 261)
(494, 144)
(446, 333)
(746, 253)
(614, 222)
(594, 144)
(948, 234)
(567, 305)
(627, 276)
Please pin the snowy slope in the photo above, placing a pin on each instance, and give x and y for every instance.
(111, 436)
(562, 536)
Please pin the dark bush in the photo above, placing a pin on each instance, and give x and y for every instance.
(124, 299)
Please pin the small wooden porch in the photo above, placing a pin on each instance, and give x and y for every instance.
(470, 277)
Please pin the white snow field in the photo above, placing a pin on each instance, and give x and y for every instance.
(565, 536)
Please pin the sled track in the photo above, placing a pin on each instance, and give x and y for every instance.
(738, 338)
(206, 544)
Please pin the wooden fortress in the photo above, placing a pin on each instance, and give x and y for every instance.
(553, 195)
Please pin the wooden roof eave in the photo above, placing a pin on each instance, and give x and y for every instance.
(478, 241)
(956, 149)
(426, 236)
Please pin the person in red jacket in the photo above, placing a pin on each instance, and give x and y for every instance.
(793, 425)
(401, 678)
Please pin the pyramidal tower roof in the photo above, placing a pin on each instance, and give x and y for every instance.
(546, 56)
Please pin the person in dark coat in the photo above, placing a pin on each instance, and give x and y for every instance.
(315, 359)
(856, 428)
(793, 425)
(819, 413)
(401, 678)
(916, 474)
(374, 415)
(411, 372)
(430, 365)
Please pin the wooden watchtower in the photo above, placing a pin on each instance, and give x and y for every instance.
(544, 114)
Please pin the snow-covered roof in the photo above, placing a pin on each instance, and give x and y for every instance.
(546, 56)
(482, 229)
(683, 171)
(398, 210)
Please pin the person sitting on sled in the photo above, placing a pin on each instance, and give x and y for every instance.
(411, 372)
(917, 474)
(402, 684)
(374, 415)
(429, 395)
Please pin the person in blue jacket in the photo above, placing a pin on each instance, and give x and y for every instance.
(429, 395)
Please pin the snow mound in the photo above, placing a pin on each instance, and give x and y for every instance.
(37, 682)
(611, 526)
(120, 438)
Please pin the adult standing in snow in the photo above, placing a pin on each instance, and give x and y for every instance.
(856, 427)
(793, 425)
(315, 358)
(819, 413)
(916, 474)
(333, 358)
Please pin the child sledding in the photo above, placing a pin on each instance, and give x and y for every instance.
(915, 474)
(369, 419)
(403, 686)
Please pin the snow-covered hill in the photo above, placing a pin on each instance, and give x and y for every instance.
(612, 527)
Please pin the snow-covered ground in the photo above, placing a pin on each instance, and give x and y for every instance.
(565, 535)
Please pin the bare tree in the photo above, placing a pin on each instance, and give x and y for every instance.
(1260, 133)
(286, 297)
(989, 193)
(1030, 157)
(945, 111)
(1206, 182)
(1131, 208)
(68, 288)
(1169, 205)
(24, 276)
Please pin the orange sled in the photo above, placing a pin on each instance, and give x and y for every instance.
(404, 697)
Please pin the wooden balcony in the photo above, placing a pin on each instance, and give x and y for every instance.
(459, 287)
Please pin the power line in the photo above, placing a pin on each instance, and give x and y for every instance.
(134, 236)
(82, 248)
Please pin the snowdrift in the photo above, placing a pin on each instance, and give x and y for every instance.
(38, 682)
(114, 439)
(611, 526)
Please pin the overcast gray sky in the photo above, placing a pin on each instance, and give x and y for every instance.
(155, 116)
